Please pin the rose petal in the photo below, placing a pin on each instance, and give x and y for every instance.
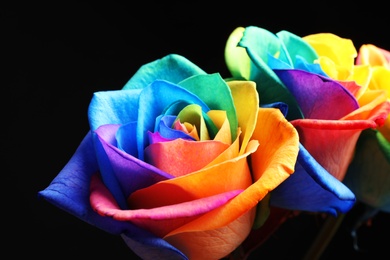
(297, 48)
(372, 55)
(381, 80)
(247, 52)
(187, 128)
(159, 220)
(192, 186)
(221, 99)
(246, 101)
(69, 190)
(311, 188)
(180, 157)
(334, 143)
(173, 68)
(236, 58)
(214, 244)
(153, 100)
(148, 246)
(164, 127)
(113, 107)
(235, 175)
(373, 107)
(222, 123)
(121, 172)
(192, 114)
(340, 50)
(316, 94)
(271, 164)
(126, 138)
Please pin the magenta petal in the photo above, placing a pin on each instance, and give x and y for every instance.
(318, 97)
(172, 212)
(159, 220)
(156, 138)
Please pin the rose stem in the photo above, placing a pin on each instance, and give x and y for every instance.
(323, 238)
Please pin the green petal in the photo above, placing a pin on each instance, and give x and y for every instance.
(214, 91)
(173, 68)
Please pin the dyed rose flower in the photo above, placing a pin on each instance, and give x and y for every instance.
(165, 164)
(369, 173)
(329, 113)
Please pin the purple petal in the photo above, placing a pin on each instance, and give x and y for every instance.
(122, 173)
(318, 97)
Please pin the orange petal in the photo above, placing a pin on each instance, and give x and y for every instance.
(214, 244)
(180, 157)
(279, 147)
(370, 106)
(229, 175)
(272, 163)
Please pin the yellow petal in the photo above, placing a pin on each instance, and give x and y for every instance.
(236, 57)
(221, 121)
(246, 101)
(340, 50)
(372, 55)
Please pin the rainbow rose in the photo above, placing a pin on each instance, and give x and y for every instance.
(315, 78)
(369, 173)
(165, 163)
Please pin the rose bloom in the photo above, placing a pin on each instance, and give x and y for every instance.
(369, 173)
(165, 163)
(327, 102)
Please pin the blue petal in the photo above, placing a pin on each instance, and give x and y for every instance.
(166, 130)
(312, 188)
(173, 68)
(283, 107)
(275, 63)
(126, 137)
(154, 99)
(69, 190)
(148, 246)
(309, 67)
(113, 107)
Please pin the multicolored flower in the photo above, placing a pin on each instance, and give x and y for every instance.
(326, 104)
(165, 164)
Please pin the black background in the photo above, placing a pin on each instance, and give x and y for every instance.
(55, 56)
